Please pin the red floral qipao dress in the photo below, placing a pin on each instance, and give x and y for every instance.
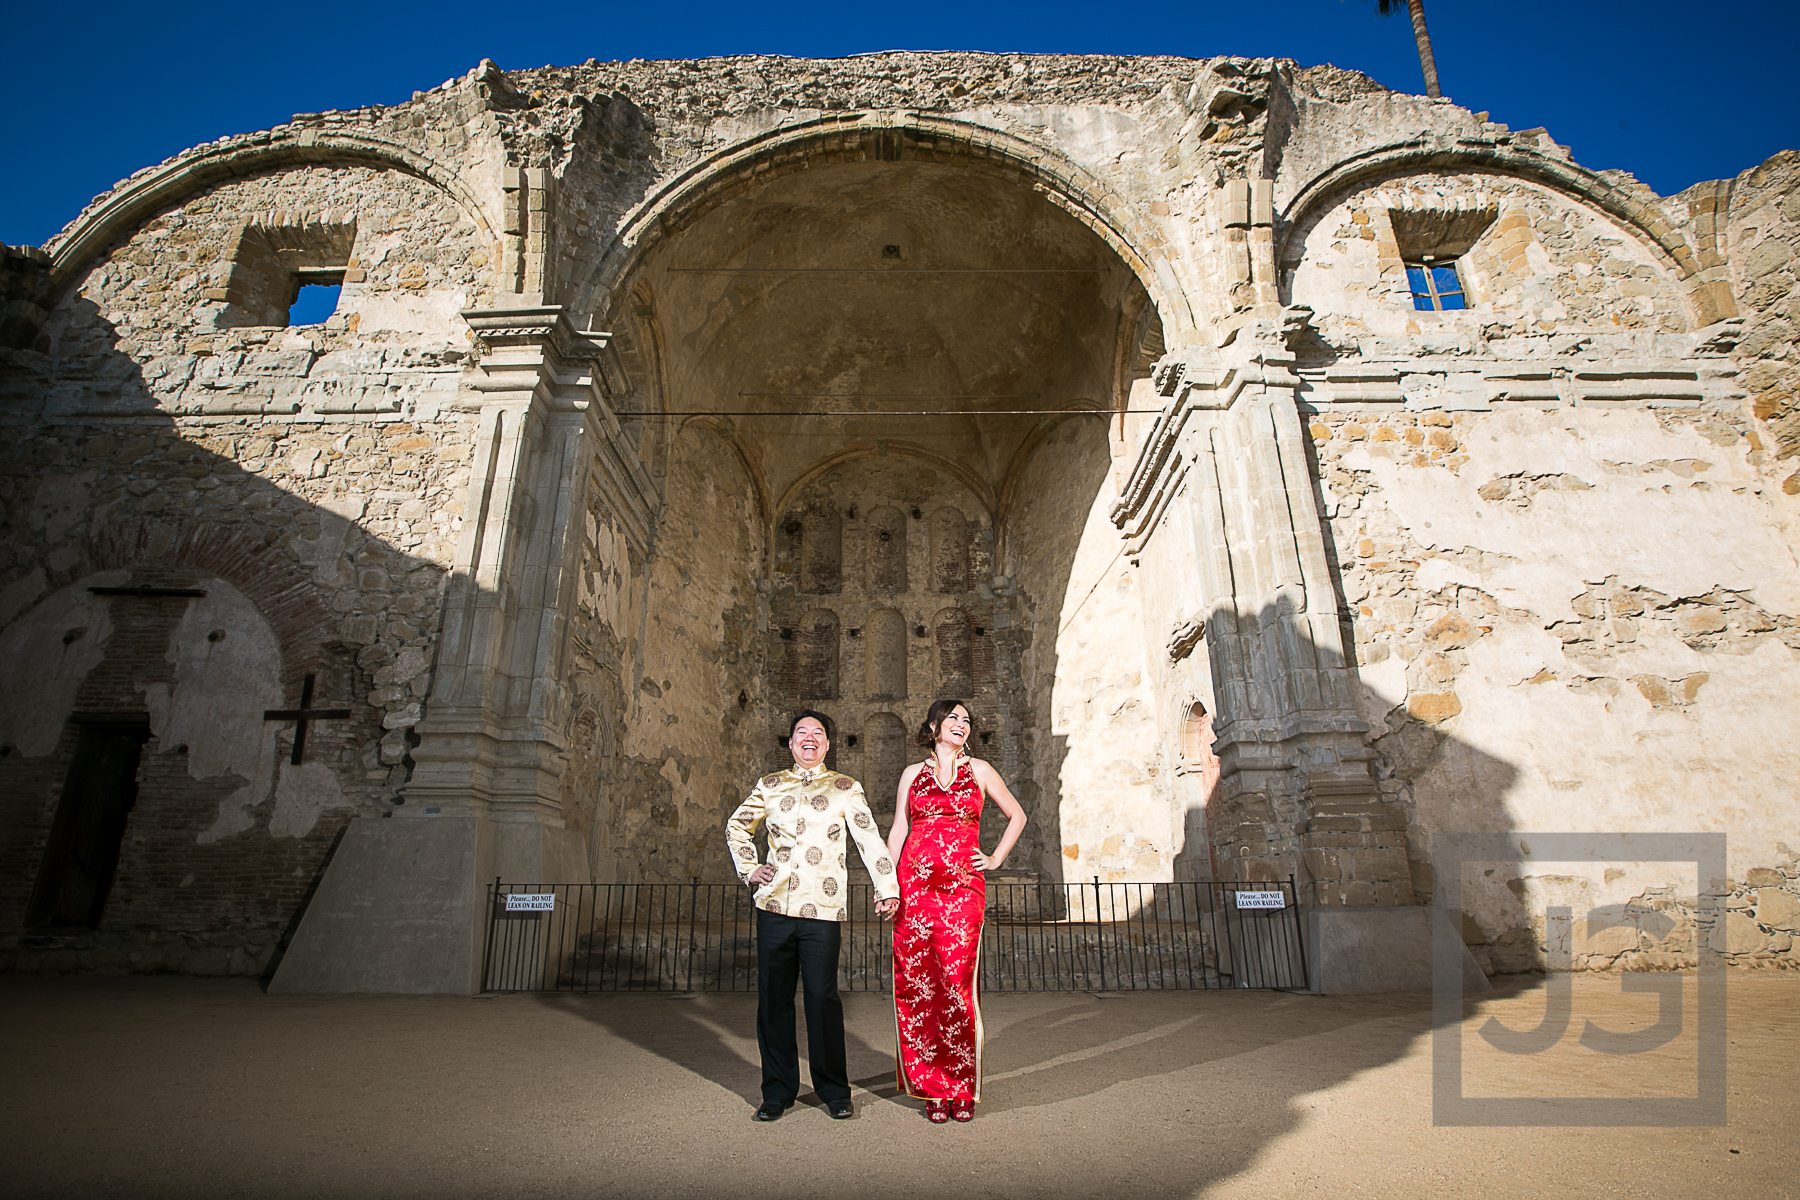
(937, 940)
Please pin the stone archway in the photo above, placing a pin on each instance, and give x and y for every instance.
(857, 348)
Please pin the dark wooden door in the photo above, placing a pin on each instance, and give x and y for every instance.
(82, 852)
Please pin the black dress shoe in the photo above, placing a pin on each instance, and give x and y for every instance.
(770, 1111)
(840, 1110)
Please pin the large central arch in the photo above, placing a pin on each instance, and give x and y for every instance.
(841, 336)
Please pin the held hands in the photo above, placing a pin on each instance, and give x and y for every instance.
(762, 874)
(887, 908)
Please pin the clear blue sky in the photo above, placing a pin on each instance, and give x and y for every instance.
(1674, 93)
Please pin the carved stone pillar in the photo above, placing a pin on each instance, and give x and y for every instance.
(1296, 794)
(402, 905)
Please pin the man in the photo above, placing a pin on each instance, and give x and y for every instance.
(802, 899)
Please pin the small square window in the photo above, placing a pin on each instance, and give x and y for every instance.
(1435, 286)
(315, 296)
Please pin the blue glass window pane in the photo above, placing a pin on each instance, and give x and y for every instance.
(315, 304)
(1453, 300)
(1422, 301)
(1445, 280)
(1415, 279)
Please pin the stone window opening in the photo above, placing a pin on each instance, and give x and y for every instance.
(282, 275)
(1435, 286)
(1431, 241)
(316, 295)
(1197, 735)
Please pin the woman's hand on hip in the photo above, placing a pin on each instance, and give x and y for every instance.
(981, 862)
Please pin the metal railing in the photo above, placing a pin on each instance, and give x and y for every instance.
(1049, 937)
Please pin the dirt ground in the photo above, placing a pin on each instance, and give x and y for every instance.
(177, 1087)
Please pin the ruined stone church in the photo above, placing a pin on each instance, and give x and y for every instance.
(1287, 471)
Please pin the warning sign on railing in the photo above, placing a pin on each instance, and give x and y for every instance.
(1261, 900)
(528, 902)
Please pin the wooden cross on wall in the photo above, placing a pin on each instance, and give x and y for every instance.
(300, 716)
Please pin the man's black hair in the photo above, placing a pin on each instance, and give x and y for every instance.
(820, 717)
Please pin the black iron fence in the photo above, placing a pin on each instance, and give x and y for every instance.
(1049, 937)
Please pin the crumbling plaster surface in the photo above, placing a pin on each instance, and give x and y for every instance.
(152, 427)
(1763, 235)
(45, 654)
(1103, 804)
(1618, 624)
(687, 748)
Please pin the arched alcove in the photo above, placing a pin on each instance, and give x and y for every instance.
(885, 549)
(884, 655)
(813, 657)
(952, 653)
(884, 758)
(821, 551)
(861, 334)
(952, 542)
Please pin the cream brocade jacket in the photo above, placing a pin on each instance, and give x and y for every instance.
(808, 814)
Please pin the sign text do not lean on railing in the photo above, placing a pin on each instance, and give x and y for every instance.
(531, 902)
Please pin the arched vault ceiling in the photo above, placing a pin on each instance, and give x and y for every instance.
(879, 286)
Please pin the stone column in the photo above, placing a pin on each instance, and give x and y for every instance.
(1296, 795)
(402, 905)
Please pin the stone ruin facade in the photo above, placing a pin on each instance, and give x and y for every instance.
(661, 398)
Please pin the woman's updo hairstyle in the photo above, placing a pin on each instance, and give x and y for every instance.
(934, 716)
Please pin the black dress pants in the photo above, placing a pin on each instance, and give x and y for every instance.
(786, 948)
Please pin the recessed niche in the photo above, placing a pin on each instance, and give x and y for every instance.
(821, 551)
(813, 656)
(887, 550)
(884, 656)
(884, 758)
(953, 654)
(952, 546)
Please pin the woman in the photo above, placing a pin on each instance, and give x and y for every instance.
(937, 937)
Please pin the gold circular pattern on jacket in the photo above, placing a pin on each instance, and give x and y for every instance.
(771, 780)
(807, 910)
(862, 820)
(820, 803)
(814, 856)
(884, 866)
(844, 783)
(787, 804)
(783, 854)
(799, 826)
(835, 832)
(830, 886)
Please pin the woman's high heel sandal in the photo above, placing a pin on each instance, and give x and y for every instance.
(937, 1111)
(963, 1110)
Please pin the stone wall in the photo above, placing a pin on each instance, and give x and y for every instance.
(689, 743)
(1762, 228)
(317, 475)
(1523, 566)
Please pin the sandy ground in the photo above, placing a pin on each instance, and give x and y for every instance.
(170, 1087)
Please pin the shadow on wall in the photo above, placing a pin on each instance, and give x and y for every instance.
(246, 563)
(1347, 841)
